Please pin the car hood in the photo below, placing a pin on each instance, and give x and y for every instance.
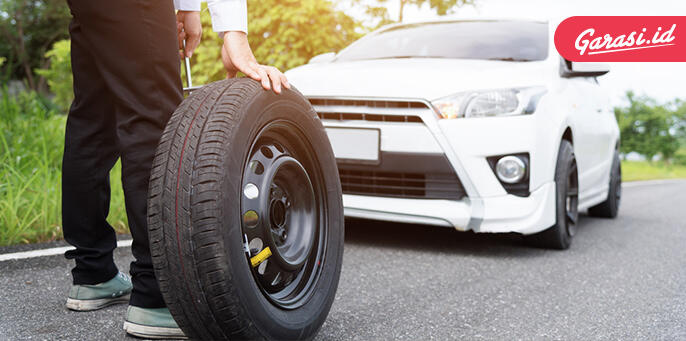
(425, 78)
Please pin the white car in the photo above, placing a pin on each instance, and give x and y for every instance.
(473, 124)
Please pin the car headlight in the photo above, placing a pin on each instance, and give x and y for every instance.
(487, 103)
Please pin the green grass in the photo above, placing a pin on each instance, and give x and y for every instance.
(31, 145)
(643, 170)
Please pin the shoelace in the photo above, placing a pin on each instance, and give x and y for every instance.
(124, 276)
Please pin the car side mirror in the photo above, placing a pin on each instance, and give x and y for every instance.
(323, 58)
(570, 69)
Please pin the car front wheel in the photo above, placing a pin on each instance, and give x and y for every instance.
(559, 236)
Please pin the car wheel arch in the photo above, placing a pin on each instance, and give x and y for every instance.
(568, 136)
(564, 134)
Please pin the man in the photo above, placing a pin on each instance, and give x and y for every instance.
(125, 60)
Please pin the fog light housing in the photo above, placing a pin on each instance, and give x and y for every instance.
(510, 169)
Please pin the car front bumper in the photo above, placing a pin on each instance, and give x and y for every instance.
(506, 213)
(466, 144)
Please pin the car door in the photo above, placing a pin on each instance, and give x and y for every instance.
(607, 131)
(590, 143)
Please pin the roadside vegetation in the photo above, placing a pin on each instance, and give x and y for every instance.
(36, 83)
(654, 132)
(31, 144)
(643, 170)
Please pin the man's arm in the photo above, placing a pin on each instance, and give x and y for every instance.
(188, 25)
(237, 56)
(230, 21)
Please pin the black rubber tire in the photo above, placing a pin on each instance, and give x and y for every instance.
(194, 215)
(559, 236)
(610, 207)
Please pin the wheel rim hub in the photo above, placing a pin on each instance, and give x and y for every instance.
(290, 211)
(572, 200)
(282, 210)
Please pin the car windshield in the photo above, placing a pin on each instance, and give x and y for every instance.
(490, 40)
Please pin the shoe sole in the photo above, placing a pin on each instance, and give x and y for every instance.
(90, 305)
(150, 332)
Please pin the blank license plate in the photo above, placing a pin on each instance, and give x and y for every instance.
(355, 144)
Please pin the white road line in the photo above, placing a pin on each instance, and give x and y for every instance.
(50, 252)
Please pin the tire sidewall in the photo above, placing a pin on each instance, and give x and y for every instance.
(615, 182)
(273, 322)
(564, 161)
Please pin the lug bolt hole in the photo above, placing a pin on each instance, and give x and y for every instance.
(250, 218)
(256, 167)
(251, 191)
(267, 152)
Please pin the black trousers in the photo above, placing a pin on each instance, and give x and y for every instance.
(126, 85)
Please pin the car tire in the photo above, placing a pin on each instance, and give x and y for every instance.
(559, 236)
(239, 166)
(610, 207)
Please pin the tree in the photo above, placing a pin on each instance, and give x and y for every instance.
(648, 128)
(282, 33)
(28, 29)
(58, 74)
(442, 7)
(378, 10)
(680, 115)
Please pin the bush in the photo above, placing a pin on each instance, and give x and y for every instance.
(58, 75)
(648, 127)
(31, 146)
(680, 157)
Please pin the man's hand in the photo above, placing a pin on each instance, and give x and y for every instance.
(189, 28)
(237, 56)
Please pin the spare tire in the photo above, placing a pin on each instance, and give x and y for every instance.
(245, 215)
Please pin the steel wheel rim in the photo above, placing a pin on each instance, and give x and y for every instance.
(282, 195)
(572, 200)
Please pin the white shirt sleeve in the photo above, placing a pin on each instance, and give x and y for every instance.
(227, 15)
(187, 5)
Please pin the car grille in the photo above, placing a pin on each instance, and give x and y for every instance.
(402, 185)
(367, 110)
(368, 103)
(400, 175)
(369, 117)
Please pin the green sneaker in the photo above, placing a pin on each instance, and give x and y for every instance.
(152, 324)
(93, 297)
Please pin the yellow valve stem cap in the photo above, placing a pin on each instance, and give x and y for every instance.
(260, 257)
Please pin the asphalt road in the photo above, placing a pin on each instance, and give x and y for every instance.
(621, 279)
